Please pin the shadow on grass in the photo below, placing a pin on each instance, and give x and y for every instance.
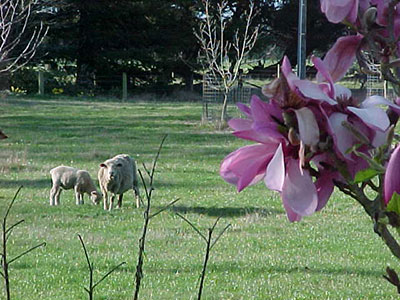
(322, 271)
(249, 270)
(36, 184)
(226, 211)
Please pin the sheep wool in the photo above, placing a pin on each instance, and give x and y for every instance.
(66, 178)
(116, 176)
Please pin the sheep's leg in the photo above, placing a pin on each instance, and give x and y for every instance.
(111, 202)
(119, 204)
(53, 194)
(137, 196)
(105, 200)
(78, 196)
(58, 196)
(136, 189)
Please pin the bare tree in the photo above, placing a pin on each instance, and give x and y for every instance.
(17, 46)
(210, 243)
(5, 261)
(147, 216)
(92, 285)
(222, 56)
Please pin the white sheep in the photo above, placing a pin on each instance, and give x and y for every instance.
(70, 178)
(116, 176)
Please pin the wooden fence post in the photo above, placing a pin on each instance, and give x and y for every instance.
(124, 87)
(41, 83)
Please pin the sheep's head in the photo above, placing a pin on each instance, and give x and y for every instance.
(112, 170)
(96, 197)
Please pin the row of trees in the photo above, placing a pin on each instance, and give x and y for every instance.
(153, 40)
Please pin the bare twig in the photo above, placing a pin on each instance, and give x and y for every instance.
(6, 232)
(147, 216)
(92, 286)
(164, 208)
(108, 274)
(194, 227)
(26, 252)
(209, 245)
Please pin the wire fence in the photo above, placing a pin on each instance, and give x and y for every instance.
(208, 91)
(213, 95)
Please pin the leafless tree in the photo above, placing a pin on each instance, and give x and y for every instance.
(5, 261)
(92, 284)
(217, 49)
(17, 45)
(147, 216)
(210, 243)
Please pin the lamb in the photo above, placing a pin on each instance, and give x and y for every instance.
(116, 176)
(67, 178)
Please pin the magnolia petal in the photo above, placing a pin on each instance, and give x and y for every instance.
(265, 136)
(337, 11)
(308, 126)
(378, 100)
(342, 91)
(259, 110)
(342, 137)
(275, 174)
(342, 55)
(313, 91)
(373, 116)
(380, 138)
(298, 190)
(242, 166)
(269, 90)
(323, 75)
(292, 216)
(324, 186)
(268, 130)
(240, 124)
(244, 109)
(286, 69)
(392, 178)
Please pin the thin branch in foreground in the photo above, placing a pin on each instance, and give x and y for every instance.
(210, 243)
(26, 252)
(147, 217)
(92, 286)
(6, 233)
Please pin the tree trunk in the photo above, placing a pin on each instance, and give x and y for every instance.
(4, 81)
(223, 120)
(188, 78)
(85, 53)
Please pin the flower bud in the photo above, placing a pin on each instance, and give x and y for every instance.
(369, 17)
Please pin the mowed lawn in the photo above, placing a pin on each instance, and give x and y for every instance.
(333, 254)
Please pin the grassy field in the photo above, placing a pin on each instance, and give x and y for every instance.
(331, 255)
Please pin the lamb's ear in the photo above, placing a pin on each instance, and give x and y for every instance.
(103, 166)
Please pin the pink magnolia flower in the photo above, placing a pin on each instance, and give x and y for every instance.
(277, 158)
(292, 129)
(392, 179)
(366, 117)
(339, 58)
(337, 11)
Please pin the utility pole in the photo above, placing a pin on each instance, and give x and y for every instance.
(301, 40)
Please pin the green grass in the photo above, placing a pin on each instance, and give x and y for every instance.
(333, 254)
